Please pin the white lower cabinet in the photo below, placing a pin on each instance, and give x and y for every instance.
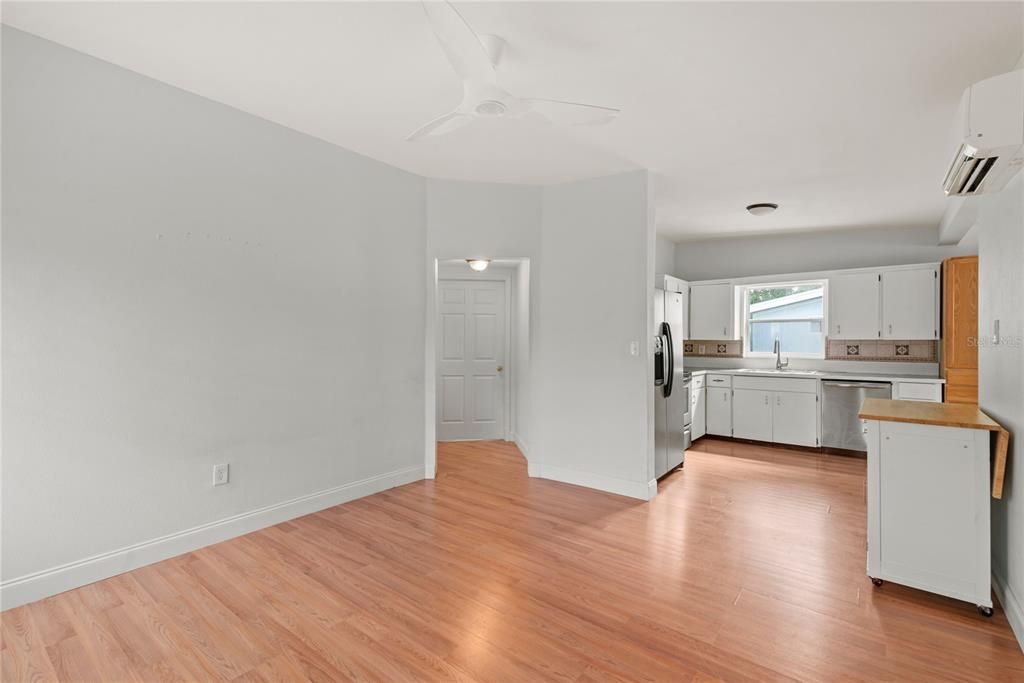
(719, 410)
(775, 409)
(917, 391)
(752, 414)
(795, 419)
(698, 414)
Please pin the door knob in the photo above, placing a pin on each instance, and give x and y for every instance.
(500, 368)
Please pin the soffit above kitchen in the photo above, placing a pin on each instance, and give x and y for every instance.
(838, 112)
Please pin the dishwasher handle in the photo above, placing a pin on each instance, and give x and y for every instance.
(857, 385)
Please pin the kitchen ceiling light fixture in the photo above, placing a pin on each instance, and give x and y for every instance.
(762, 209)
(478, 264)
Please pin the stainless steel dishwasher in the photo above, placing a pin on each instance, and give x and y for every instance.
(840, 403)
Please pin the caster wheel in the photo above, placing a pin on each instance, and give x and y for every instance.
(985, 611)
(877, 582)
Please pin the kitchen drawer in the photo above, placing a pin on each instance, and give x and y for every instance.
(798, 385)
(917, 391)
(718, 380)
(697, 381)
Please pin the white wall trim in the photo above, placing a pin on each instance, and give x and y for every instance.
(38, 585)
(622, 487)
(1012, 607)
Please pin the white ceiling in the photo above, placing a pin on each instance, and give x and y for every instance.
(839, 112)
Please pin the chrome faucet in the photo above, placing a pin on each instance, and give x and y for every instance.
(778, 356)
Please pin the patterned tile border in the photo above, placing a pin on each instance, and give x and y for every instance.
(713, 348)
(904, 351)
(872, 350)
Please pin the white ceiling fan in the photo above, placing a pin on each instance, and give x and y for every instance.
(481, 95)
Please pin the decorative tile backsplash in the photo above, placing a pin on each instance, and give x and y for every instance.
(712, 348)
(873, 350)
(905, 351)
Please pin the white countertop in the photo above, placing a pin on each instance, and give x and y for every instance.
(821, 374)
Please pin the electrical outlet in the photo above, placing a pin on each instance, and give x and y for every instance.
(220, 474)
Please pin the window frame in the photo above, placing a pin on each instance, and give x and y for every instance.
(746, 321)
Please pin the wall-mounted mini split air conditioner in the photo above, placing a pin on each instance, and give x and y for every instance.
(990, 136)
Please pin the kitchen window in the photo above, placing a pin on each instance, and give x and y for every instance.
(792, 312)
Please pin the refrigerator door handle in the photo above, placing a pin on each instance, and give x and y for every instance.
(669, 353)
(659, 361)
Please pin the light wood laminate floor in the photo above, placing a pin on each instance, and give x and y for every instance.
(749, 565)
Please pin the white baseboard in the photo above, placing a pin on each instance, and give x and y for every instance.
(42, 584)
(622, 487)
(1012, 607)
(521, 445)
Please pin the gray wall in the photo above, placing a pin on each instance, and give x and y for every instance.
(581, 424)
(185, 285)
(664, 256)
(492, 221)
(592, 417)
(1001, 376)
(798, 253)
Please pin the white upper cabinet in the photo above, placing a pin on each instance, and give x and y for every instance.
(910, 303)
(711, 314)
(888, 302)
(853, 308)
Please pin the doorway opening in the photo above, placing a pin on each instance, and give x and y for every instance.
(478, 354)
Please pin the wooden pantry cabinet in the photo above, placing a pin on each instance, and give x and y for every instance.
(960, 328)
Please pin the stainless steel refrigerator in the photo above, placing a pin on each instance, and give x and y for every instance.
(671, 393)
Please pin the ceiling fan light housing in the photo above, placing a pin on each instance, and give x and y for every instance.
(490, 108)
(762, 209)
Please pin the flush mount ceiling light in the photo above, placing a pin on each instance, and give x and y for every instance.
(762, 209)
(478, 264)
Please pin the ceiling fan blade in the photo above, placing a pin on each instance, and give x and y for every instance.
(440, 125)
(459, 42)
(571, 113)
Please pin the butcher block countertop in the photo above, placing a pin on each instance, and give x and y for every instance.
(943, 415)
(924, 413)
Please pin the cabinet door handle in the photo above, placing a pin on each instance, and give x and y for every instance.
(723, 332)
(839, 328)
(778, 400)
(766, 399)
(890, 328)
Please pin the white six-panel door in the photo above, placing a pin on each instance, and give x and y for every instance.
(471, 360)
